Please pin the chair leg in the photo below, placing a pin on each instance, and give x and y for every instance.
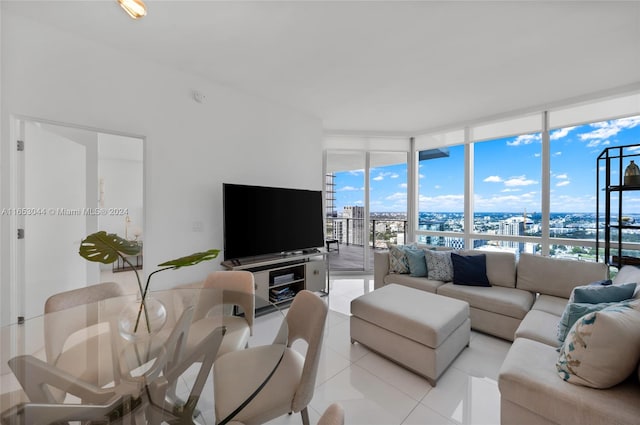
(305, 416)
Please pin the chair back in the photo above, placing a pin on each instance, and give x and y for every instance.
(306, 320)
(238, 289)
(57, 331)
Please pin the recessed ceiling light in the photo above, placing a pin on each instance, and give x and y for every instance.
(135, 8)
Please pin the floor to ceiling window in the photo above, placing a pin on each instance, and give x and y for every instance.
(507, 191)
(441, 196)
(574, 150)
(525, 184)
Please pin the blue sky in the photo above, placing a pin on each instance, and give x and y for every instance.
(507, 175)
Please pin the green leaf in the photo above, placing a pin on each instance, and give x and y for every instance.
(192, 259)
(106, 248)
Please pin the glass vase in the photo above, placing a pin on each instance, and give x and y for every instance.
(140, 320)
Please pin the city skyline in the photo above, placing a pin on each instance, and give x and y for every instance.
(507, 174)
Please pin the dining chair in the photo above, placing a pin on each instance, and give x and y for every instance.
(130, 399)
(59, 327)
(237, 289)
(237, 375)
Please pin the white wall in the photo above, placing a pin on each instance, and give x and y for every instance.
(191, 148)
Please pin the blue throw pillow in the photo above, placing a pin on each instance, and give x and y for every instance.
(595, 294)
(470, 270)
(417, 262)
(573, 312)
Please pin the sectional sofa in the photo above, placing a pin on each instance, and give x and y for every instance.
(524, 304)
(501, 308)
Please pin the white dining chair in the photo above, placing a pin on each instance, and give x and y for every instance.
(234, 288)
(238, 374)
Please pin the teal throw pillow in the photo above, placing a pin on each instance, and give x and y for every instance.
(470, 270)
(573, 312)
(417, 262)
(596, 294)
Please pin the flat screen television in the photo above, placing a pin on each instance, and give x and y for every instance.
(261, 220)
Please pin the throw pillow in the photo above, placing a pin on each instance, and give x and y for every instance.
(574, 311)
(417, 262)
(595, 294)
(602, 349)
(470, 270)
(439, 266)
(398, 262)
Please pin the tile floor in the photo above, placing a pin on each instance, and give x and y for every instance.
(373, 390)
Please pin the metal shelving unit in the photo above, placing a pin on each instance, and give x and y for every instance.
(614, 160)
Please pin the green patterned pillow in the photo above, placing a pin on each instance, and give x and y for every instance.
(602, 348)
(398, 262)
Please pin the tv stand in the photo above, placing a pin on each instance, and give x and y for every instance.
(278, 278)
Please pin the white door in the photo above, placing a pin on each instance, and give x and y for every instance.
(54, 182)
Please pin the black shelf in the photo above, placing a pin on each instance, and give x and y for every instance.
(614, 161)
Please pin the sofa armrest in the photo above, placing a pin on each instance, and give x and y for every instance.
(380, 268)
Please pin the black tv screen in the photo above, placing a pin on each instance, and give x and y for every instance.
(261, 220)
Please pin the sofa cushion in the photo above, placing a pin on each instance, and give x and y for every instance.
(553, 276)
(550, 304)
(595, 294)
(627, 274)
(421, 283)
(470, 270)
(528, 378)
(439, 266)
(417, 262)
(539, 326)
(501, 266)
(496, 299)
(398, 262)
(602, 349)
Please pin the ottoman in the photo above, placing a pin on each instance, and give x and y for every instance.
(421, 331)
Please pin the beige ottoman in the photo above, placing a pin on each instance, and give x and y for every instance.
(421, 331)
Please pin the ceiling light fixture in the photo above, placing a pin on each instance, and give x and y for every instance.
(135, 8)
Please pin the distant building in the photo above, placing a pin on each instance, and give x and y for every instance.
(355, 233)
(514, 226)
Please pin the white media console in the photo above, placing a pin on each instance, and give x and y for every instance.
(279, 278)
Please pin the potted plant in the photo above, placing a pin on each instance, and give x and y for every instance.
(106, 248)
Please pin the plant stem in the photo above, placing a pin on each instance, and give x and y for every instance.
(144, 296)
(142, 304)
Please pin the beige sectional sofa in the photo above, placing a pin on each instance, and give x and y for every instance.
(524, 305)
(515, 286)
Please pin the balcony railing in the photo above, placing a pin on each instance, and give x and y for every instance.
(381, 231)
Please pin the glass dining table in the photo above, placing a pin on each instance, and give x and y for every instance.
(86, 364)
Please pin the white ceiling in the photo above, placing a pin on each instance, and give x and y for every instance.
(386, 66)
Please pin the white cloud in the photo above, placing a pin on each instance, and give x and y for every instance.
(557, 153)
(525, 139)
(510, 190)
(397, 196)
(519, 181)
(403, 185)
(420, 176)
(441, 203)
(559, 134)
(437, 186)
(562, 176)
(606, 129)
(537, 155)
(493, 179)
(347, 189)
(563, 183)
(394, 176)
(356, 172)
(378, 178)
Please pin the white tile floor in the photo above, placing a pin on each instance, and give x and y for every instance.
(373, 390)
